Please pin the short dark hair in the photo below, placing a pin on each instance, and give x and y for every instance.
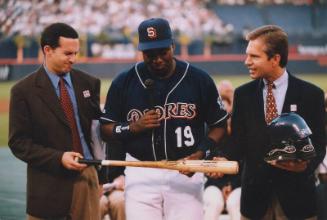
(276, 41)
(51, 34)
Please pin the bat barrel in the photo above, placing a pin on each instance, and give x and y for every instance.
(226, 167)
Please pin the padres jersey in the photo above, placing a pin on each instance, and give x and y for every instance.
(185, 102)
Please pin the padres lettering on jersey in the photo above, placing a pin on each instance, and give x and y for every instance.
(184, 103)
(169, 111)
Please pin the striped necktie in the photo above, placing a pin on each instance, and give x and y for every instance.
(67, 106)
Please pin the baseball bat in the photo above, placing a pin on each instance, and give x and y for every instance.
(204, 166)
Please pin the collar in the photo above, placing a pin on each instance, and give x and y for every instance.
(280, 81)
(54, 78)
(143, 72)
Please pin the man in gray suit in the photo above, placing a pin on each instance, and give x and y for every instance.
(51, 113)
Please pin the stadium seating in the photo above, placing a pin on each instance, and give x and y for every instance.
(306, 24)
(240, 16)
(297, 20)
(320, 16)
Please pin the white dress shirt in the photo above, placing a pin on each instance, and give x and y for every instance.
(279, 91)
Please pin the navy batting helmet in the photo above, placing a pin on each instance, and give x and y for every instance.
(289, 138)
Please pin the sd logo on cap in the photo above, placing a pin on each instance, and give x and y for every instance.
(154, 33)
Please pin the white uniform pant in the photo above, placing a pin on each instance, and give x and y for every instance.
(214, 203)
(162, 194)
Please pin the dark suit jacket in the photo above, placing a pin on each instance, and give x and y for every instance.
(260, 181)
(39, 135)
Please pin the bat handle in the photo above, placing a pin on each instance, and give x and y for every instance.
(90, 162)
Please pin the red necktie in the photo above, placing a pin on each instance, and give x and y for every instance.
(271, 107)
(67, 106)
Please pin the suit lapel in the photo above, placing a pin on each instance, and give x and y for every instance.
(259, 104)
(291, 94)
(79, 88)
(48, 94)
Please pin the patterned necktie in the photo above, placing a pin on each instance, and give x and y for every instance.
(271, 107)
(67, 106)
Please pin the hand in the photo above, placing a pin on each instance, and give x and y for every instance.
(291, 165)
(100, 190)
(119, 182)
(195, 156)
(69, 161)
(322, 177)
(216, 175)
(226, 190)
(148, 121)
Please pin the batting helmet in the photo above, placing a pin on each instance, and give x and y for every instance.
(289, 138)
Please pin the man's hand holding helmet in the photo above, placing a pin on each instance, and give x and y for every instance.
(291, 147)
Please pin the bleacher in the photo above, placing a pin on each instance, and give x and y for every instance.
(306, 24)
(320, 14)
(297, 20)
(240, 16)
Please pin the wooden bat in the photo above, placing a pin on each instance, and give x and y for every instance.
(204, 166)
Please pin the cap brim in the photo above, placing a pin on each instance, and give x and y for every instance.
(155, 44)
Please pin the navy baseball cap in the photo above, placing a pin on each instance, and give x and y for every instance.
(154, 33)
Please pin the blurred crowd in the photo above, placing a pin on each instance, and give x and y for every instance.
(108, 27)
(26, 17)
(111, 22)
(267, 2)
(118, 17)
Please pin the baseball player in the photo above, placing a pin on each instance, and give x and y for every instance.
(158, 109)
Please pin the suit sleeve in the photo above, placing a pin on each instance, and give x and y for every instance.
(315, 115)
(21, 138)
(102, 171)
(96, 100)
(238, 130)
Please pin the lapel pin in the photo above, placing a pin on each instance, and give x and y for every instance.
(293, 108)
(86, 93)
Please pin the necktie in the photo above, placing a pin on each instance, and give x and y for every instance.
(67, 106)
(271, 107)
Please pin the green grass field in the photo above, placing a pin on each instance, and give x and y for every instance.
(318, 79)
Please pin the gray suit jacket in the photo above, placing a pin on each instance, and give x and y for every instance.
(39, 135)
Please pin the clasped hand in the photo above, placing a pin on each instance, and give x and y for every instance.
(216, 175)
(291, 165)
(69, 161)
(148, 121)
